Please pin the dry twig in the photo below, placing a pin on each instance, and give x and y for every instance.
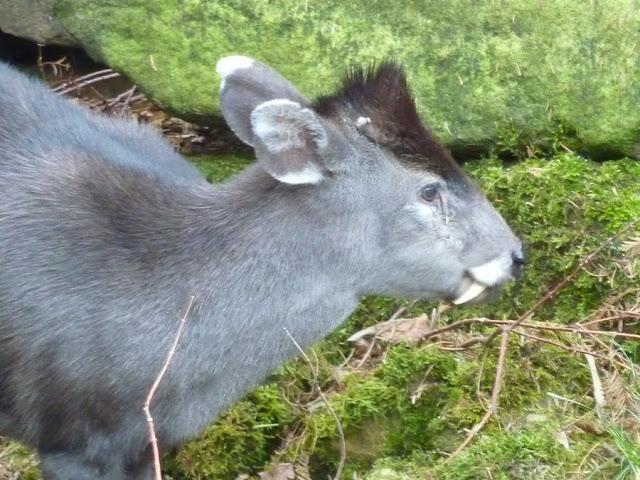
(495, 395)
(598, 392)
(85, 80)
(560, 345)
(147, 413)
(316, 383)
(576, 328)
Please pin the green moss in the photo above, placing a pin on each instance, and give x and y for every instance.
(401, 417)
(511, 76)
(421, 399)
(16, 459)
(530, 451)
(217, 168)
(519, 451)
(240, 441)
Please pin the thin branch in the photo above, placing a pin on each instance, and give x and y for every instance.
(127, 101)
(559, 328)
(511, 324)
(621, 315)
(569, 348)
(537, 326)
(314, 373)
(366, 355)
(77, 85)
(598, 392)
(502, 357)
(154, 387)
(495, 395)
(453, 326)
(97, 73)
(565, 281)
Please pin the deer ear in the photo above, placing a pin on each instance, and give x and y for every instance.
(290, 141)
(247, 83)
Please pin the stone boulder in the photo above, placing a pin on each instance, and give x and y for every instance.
(517, 75)
(33, 20)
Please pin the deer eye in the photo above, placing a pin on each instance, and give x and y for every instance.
(430, 192)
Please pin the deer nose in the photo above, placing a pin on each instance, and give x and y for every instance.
(519, 261)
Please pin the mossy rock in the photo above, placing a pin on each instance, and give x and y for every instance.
(503, 75)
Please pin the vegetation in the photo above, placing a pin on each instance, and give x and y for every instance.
(404, 407)
(408, 405)
(496, 76)
(512, 75)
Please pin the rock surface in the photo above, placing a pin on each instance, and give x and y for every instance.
(517, 76)
(33, 20)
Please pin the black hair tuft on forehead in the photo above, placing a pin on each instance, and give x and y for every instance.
(381, 95)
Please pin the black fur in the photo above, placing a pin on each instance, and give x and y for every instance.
(382, 94)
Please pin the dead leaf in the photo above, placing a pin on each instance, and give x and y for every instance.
(406, 330)
(562, 438)
(631, 247)
(281, 471)
(5, 473)
(588, 427)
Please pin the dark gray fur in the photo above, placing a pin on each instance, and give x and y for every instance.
(105, 234)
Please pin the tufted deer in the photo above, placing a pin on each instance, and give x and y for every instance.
(105, 234)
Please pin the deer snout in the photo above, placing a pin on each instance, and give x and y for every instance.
(519, 260)
(490, 275)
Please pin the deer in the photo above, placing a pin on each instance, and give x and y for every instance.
(106, 232)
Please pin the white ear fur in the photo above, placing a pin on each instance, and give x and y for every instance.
(229, 65)
(276, 135)
(289, 134)
(280, 123)
(306, 176)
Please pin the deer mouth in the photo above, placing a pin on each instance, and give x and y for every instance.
(472, 290)
(481, 281)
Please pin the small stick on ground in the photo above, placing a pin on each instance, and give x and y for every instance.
(97, 73)
(147, 413)
(495, 395)
(598, 391)
(366, 355)
(566, 347)
(316, 383)
(623, 315)
(575, 328)
(90, 79)
(128, 95)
